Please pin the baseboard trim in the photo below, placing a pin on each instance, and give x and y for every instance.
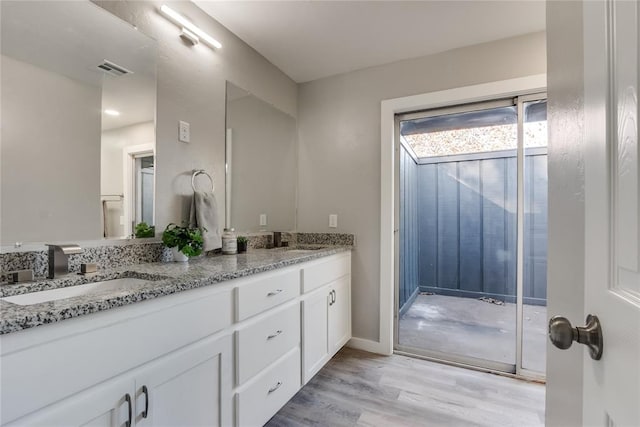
(367, 345)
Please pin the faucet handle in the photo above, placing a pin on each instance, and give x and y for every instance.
(67, 249)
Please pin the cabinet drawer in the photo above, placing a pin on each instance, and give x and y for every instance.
(325, 271)
(271, 390)
(266, 292)
(261, 343)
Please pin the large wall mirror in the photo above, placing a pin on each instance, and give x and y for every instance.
(78, 123)
(261, 157)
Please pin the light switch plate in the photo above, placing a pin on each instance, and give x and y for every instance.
(184, 131)
(263, 219)
(333, 221)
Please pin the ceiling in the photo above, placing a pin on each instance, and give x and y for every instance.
(309, 40)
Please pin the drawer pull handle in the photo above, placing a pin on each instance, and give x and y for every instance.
(272, 336)
(274, 293)
(127, 398)
(146, 401)
(275, 387)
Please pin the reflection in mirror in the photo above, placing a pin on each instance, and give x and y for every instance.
(78, 135)
(261, 164)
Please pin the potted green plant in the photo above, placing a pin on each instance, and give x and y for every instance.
(184, 241)
(144, 230)
(242, 244)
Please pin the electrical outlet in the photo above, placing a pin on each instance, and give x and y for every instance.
(184, 133)
(333, 221)
(263, 219)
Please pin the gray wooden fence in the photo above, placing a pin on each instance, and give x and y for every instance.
(461, 217)
(409, 236)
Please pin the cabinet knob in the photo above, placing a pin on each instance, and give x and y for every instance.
(274, 293)
(332, 294)
(127, 398)
(272, 336)
(145, 391)
(275, 387)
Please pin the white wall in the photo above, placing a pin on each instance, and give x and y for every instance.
(566, 205)
(263, 165)
(42, 155)
(339, 144)
(191, 87)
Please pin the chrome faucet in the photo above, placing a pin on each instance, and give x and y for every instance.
(277, 239)
(59, 259)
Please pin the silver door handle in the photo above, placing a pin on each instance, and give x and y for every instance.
(562, 334)
(274, 293)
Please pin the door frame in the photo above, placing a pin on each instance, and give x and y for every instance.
(388, 171)
(515, 368)
(129, 154)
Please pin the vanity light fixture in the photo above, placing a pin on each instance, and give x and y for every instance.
(112, 112)
(189, 30)
(189, 36)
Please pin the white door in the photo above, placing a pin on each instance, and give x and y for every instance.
(339, 314)
(315, 347)
(190, 387)
(612, 200)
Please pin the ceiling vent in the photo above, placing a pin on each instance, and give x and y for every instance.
(113, 69)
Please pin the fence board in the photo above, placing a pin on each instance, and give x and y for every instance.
(408, 225)
(464, 216)
(470, 226)
(447, 210)
(494, 226)
(427, 224)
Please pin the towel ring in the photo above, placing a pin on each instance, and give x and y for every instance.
(197, 172)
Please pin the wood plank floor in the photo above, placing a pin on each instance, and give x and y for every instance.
(362, 389)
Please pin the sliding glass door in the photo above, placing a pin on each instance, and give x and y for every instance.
(471, 268)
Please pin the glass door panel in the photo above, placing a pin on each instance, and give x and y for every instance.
(458, 218)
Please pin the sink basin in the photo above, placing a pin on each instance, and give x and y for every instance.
(75, 291)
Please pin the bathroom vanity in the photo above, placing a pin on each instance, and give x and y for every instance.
(219, 341)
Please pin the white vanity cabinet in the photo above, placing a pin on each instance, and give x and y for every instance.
(326, 311)
(71, 364)
(189, 387)
(231, 354)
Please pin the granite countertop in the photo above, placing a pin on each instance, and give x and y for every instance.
(164, 279)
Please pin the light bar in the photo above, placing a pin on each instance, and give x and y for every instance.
(184, 22)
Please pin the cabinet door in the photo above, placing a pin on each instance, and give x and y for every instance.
(340, 314)
(104, 405)
(315, 348)
(190, 387)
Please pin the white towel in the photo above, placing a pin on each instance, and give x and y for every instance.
(204, 215)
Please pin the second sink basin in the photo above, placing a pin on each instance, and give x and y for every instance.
(75, 291)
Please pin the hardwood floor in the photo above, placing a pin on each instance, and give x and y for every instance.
(362, 389)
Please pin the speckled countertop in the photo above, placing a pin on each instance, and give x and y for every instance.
(164, 279)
